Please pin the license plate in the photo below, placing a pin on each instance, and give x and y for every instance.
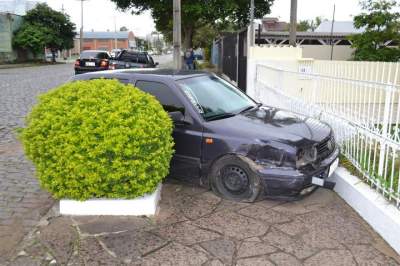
(333, 167)
(90, 64)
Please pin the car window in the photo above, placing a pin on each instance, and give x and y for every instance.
(93, 54)
(164, 95)
(129, 57)
(142, 59)
(103, 56)
(151, 61)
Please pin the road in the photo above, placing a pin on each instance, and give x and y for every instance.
(165, 61)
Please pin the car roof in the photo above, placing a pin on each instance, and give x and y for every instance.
(94, 51)
(159, 72)
(133, 51)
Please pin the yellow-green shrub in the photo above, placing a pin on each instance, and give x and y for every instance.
(98, 139)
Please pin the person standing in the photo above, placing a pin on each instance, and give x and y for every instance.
(189, 59)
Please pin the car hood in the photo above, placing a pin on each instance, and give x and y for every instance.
(267, 124)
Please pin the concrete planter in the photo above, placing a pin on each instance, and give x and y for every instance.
(382, 216)
(145, 205)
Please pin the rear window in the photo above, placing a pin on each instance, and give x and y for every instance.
(90, 54)
(142, 59)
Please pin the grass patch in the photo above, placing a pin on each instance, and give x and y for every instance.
(366, 153)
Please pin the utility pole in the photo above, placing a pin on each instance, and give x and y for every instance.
(252, 33)
(177, 34)
(333, 22)
(81, 31)
(293, 22)
(115, 32)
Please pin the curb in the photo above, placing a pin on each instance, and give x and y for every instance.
(145, 205)
(381, 215)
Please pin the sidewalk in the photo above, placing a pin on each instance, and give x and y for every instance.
(194, 227)
(10, 66)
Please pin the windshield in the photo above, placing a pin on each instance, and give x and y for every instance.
(213, 97)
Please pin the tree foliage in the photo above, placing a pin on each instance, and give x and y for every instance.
(309, 25)
(44, 27)
(381, 24)
(197, 14)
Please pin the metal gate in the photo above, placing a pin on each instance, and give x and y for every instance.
(242, 60)
(233, 57)
(229, 59)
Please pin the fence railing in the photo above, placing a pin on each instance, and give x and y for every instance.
(364, 114)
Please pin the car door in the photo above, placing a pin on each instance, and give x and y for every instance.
(187, 136)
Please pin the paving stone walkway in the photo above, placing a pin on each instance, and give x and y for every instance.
(194, 227)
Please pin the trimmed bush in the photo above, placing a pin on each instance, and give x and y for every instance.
(98, 139)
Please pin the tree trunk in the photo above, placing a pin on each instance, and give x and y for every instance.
(188, 37)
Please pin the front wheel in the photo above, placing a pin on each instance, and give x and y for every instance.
(233, 178)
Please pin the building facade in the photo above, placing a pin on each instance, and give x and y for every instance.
(319, 44)
(95, 40)
(8, 24)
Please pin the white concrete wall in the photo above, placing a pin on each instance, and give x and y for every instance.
(258, 54)
(323, 52)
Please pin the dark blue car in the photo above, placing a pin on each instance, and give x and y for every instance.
(225, 140)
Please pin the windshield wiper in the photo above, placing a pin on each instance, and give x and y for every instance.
(249, 108)
(219, 116)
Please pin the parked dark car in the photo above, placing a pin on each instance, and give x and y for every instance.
(239, 148)
(131, 59)
(92, 60)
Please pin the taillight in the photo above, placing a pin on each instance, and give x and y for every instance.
(103, 63)
(77, 62)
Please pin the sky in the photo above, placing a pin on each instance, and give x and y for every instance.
(99, 14)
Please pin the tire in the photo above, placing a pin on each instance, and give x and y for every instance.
(232, 177)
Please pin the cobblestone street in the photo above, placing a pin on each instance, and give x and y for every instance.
(22, 202)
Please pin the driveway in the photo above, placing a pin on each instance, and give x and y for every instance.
(194, 227)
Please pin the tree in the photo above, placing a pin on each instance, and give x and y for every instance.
(303, 25)
(197, 13)
(123, 28)
(309, 25)
(381, 25)
(44, 27)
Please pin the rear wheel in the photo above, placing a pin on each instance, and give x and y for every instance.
(232, 177)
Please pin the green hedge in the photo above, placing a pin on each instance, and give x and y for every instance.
(98, 139)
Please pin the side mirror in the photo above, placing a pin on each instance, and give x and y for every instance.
(177, 117)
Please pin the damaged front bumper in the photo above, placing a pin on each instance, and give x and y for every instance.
(285, 182)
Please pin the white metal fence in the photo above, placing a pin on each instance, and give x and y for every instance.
(364, 113)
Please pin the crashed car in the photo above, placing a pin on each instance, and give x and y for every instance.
(241, 149)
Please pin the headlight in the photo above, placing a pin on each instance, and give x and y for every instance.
(271, 156)
(306, 156)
